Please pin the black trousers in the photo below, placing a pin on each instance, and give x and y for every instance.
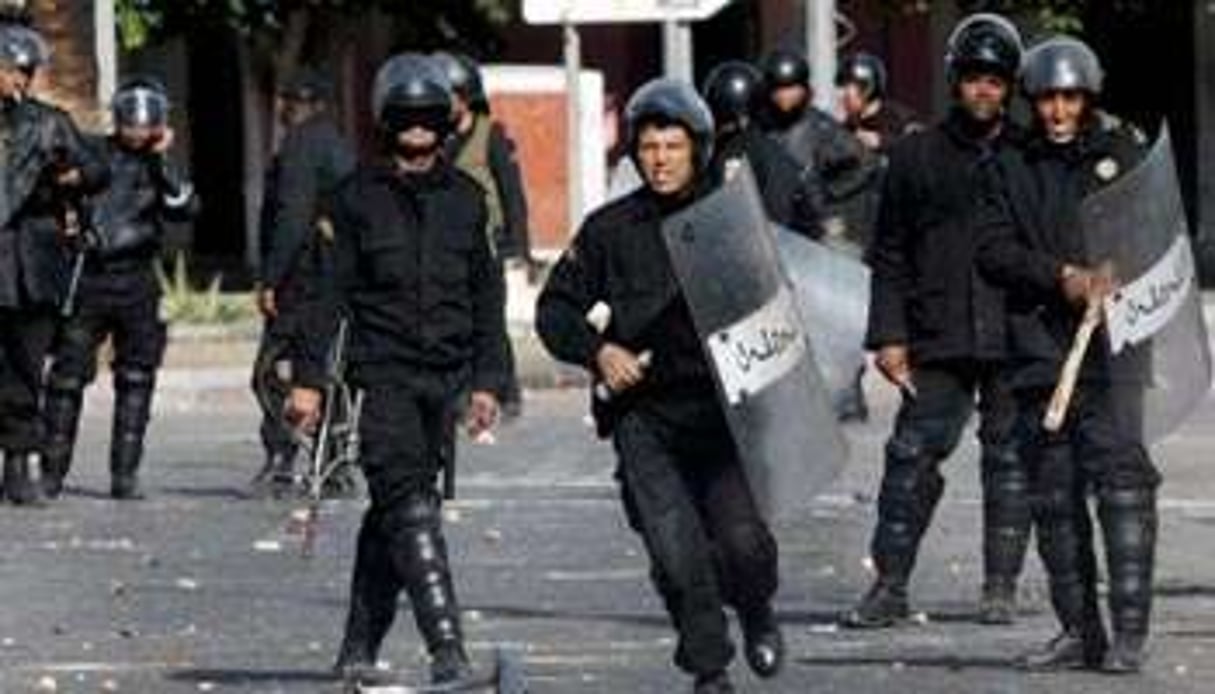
(133, 323)
(407, 430)
(685, 493)
(926, 432)
(25, 338)
(1098, 453)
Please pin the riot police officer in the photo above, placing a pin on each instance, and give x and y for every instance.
(295, 243)
(938, 330)
(813, 137)
(792, 195)
(117, 295)
(417, 281)
(683, 487)
(877, 122)
(481, 148)
(873, 117)
(1033, 246)
(47, 165)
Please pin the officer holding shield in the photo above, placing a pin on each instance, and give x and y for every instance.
(1033, 245)
(682, 483)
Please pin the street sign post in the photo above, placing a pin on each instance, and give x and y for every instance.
(619, 11)
(675, 15)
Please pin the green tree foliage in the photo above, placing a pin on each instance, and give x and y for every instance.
(285, 33)
(1050, 15)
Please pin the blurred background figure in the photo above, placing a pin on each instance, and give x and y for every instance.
(813, 137)
(296, 238)
(878, 123)
(480, 147)
(792, 195)
(118, 295)
(869, 113)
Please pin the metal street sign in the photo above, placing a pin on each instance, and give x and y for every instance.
(615, 11)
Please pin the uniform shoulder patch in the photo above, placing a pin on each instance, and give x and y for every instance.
(1107, 168)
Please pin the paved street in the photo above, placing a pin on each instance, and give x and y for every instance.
(203, 589)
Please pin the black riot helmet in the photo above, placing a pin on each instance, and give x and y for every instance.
(23, 48)
(140, 102)
(465, 76)
(785, 68)
(666, 101)
(732, 90)
(983, 43)
(865, 70)
(412, 90)
(1062, 63)
(307, 84)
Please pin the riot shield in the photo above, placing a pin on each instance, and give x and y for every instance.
(832, 289)
(1158, 355)
(745, 309)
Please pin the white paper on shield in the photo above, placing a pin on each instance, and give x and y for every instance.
(760, 349)
(1142, 307)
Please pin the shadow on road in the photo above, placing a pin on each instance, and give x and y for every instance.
(940, 662)
(237, 676)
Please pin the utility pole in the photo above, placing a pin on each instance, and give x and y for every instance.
(820, 51)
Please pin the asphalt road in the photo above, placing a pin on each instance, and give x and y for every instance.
(202, 588)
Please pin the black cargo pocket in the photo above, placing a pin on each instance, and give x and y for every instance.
(454, 253)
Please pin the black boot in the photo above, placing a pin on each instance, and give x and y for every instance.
(132, 409)
(373, 602)
(1129, 521)
(884, 605)
(19, 485)
(419, 554)
(1065, 651)
(1006, 529)
(1065, 545)
(762, 642)
(713, 683)
(62, 421)
(911, 488)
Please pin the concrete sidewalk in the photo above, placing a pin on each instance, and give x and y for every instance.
(208, 368)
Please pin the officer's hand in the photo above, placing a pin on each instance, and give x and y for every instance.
(162, 142)
(482, 413)
(870, 138)
(266, 303)
(304, 408)
(70, 178)
(895, 365)
(1081, 285)
(620, 368)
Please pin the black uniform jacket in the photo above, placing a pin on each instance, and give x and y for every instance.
(417, 278)
(619, 259)
(41, 141)
(311, 161)
(127, 219)
(1029, 222)
(926, 291)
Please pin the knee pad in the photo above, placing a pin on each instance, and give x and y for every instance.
(65, 384)
(415, 510)
(128, 380)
